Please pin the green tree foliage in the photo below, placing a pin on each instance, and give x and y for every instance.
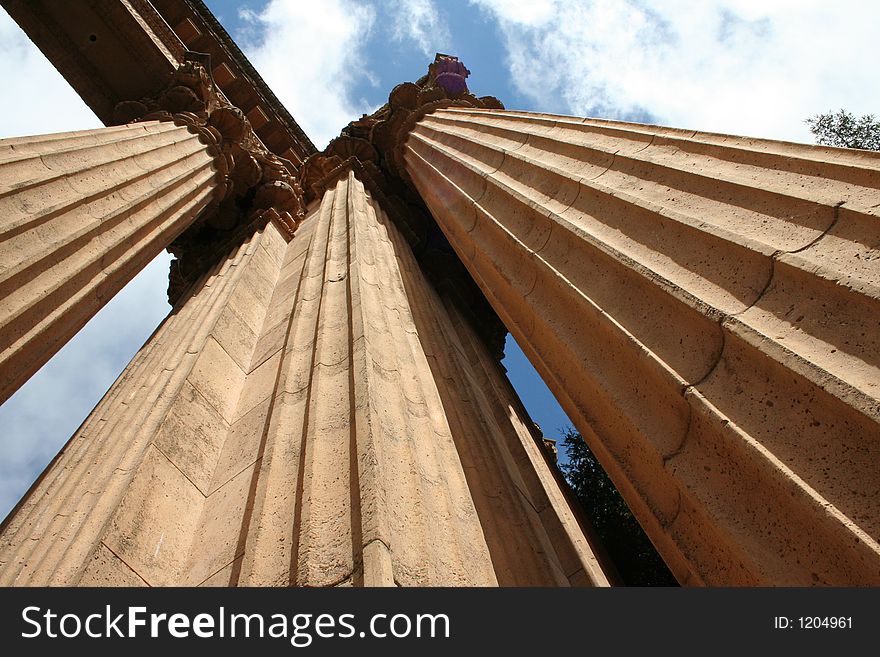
(627, 545)
(844, 130)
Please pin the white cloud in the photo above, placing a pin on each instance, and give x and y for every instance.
(311, 54)
(740, 66)
(533, 13)
(418, 21)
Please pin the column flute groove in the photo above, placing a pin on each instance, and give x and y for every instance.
(705, 308)
(80, 221)
(104, 460)
(361, 478)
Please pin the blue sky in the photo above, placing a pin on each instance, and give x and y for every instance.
(736, 66)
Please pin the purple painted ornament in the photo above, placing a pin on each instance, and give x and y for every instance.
(450, 74)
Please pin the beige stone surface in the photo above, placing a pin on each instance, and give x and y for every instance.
(359, 476)
(705, 308)
(314, 414)
(80, 214)
(241, 447)
(192, 436)
(137, 473)
(155, 522)
(106, 569)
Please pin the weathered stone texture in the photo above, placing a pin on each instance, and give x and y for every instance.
(705, 308)
(137, 476)
(366, 461)
(310, 415)
(80, 214)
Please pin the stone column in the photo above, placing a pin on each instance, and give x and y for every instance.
(310, 415)
(704, 307)
(376, 464)
(80, 214)
(120, 503)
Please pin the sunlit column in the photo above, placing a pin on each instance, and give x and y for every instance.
(704, 307)
(309, 415)
(80, 214)
(389, 456)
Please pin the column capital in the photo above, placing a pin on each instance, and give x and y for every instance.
(373, 146)
(254, 185)
(379, 137)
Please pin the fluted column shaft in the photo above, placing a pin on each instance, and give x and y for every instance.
(80, 214)
(379, 465)
(310, 415)
(706, 310)
(122, 502)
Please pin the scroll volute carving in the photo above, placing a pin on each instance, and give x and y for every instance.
(190, 89)
(314, 171)
(346, 146)
(231, 123)
(246, 171)
(251, 176)
(253, 186)
(386, 129)
(188, 100)
(278, 196)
